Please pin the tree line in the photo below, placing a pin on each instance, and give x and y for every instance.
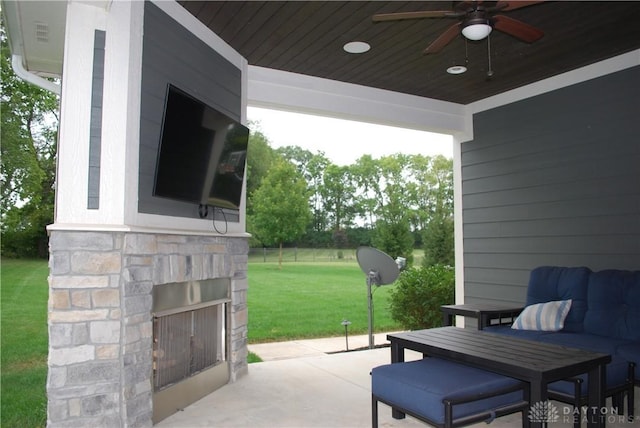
(395, 203)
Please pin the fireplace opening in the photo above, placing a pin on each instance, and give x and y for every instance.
(186, 343)
(190, 342)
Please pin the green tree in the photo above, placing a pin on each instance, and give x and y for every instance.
(435, 175)
(281, 206)
(394, 238)
(260, 157)
(29, 121)
(312, 167)
(393, 227)
(337, 196)
(366, 175)
(438, 242)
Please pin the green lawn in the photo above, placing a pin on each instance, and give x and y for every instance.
(24, 294)
(301, 300)
(305, 300)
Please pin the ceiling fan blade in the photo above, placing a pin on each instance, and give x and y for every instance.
(444, 39)
(412, 15)
(518, 29)
(515, 4)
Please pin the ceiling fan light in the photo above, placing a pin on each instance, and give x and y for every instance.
(476, 31)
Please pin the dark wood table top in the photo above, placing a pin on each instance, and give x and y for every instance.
(507, 355)
(477, 308)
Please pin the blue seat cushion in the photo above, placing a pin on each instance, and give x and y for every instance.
(421, 386)
(590, 342)
(521, 334)
(617, 371)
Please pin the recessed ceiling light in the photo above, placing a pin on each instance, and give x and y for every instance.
(456, 69)
(356, 47)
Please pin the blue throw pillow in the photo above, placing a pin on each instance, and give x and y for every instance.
(547, 316)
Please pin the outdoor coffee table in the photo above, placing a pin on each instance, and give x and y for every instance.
(536, 363)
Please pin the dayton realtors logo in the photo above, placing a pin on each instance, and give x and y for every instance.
(545, 412)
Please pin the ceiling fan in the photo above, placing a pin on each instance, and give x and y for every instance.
(476, 20)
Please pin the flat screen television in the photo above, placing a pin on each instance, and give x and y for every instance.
(202, 153)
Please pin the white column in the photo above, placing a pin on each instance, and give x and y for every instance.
(122, 23)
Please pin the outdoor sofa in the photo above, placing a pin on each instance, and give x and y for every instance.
(597, 311)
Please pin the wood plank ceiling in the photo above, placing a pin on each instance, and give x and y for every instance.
(307, 37)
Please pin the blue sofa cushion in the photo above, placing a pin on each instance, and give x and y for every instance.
(631, 352)
(521, 334)
(617, 371)
(614, 304)
(421, 386)
(590, 342)
(549, 283)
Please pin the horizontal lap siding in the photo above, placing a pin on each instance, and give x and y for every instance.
(552, 180)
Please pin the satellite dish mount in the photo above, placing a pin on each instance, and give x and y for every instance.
(380, 269)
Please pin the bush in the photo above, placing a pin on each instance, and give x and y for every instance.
(418, 294)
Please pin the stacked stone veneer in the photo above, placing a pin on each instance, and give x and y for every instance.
(100, 324)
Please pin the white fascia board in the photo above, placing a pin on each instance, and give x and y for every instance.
(592, 71)
(281, 90)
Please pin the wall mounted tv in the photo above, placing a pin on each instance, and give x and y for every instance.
(202, 153)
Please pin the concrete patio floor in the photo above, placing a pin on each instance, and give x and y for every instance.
(300, 385)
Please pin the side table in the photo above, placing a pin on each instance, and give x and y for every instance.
(483, 312)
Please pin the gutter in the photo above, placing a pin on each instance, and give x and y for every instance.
(24, 74)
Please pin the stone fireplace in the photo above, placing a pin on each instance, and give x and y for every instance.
(114, 243)
(102, 314)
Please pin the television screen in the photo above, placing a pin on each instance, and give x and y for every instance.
(226, 185)
(202, 153)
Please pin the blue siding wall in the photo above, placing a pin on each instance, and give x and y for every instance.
(552, 180)
(171, 54)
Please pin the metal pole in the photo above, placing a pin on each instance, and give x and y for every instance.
(370, 304)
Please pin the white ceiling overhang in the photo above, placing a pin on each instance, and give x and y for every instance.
(36, 34)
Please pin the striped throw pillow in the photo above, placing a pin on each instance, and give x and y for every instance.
(547, 316)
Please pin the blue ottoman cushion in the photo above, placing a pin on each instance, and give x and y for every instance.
(421, 386)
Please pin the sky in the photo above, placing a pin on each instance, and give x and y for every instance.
(344, 141)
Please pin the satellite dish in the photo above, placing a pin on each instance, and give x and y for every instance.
(378, 266)
(380, 269)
